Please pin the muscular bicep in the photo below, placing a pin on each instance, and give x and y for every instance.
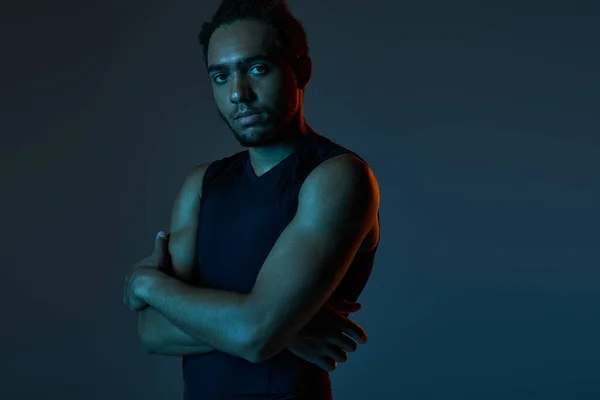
(337, 207)
(184, 226)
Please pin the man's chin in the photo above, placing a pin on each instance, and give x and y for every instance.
(255, 139)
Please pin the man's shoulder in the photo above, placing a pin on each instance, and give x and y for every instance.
(342, 191)
(331, 150)
(346, 166)
(343, 175)
(197, 173)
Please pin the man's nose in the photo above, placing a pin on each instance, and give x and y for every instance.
(240, 89)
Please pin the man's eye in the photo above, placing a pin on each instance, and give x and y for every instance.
(258, 70)
(220, 78)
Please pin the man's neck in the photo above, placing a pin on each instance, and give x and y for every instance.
(263, 158)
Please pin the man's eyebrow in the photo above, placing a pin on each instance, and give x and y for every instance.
(238, 63)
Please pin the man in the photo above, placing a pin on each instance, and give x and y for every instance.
(269, 248)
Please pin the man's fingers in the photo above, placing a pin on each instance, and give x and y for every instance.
(343, 342)
(160, 242)
(355, 331)
(160, 255)
(315, 353)
(345, 306)
(161, 247)
(338, 354)
(326, 363)
(348, 307)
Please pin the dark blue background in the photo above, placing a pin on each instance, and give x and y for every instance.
(480, 120)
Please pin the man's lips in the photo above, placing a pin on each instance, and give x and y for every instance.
(246, 114)
(247, 119)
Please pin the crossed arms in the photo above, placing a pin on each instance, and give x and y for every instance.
(337, 207)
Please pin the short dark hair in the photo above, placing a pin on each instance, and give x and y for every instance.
(291, 40)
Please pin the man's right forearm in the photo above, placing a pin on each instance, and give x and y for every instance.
(159, 336)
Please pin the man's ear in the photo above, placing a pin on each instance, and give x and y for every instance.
(302, 66)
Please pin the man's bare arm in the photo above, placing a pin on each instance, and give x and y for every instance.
(337, 206)
(157, 334)
(167, 339)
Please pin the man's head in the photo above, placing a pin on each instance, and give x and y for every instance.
(256, 53)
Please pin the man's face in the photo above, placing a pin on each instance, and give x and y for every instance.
(247, 78)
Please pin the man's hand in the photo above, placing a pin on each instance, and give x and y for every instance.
(330, 335)
(324, 341)
(159, 260)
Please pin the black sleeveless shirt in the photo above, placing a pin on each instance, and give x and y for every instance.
(241, 217)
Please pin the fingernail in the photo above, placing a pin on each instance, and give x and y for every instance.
(161, 234)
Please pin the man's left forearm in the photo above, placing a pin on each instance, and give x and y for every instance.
(218, 318)
(158, 335)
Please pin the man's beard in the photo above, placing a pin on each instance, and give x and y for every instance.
(253, 139)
